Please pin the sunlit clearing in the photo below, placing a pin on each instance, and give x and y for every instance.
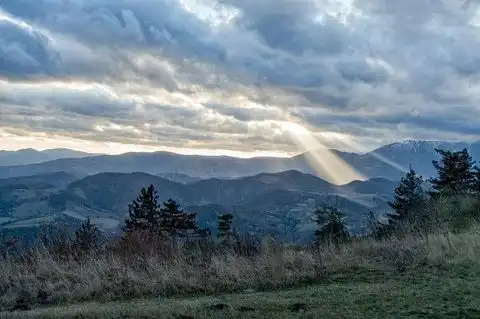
(361, 149)
(322, 160)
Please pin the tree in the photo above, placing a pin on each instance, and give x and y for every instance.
(331, 225)
(476, 186)
(87, 237)
(225, 228)
(144, 212)
(375, 227)
(176, 223)
(204, 233)
(455, 173)
(147, 217)
(409, 199)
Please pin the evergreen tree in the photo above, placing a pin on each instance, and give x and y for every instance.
(375, 227)
(409, 199)
(476, 185)
(176, 223)
(144, 212)
(331, 225)
(455, 173)
(204, 232)
(225, 228)
(87, 237)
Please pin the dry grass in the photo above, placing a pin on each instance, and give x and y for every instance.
(398, 296)
(44, 278)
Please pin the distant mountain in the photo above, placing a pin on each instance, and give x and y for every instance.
(391, 161)
(372, 186)
(31, 156)
(419, 154)
(179, 178)
(152, 163)
(388, 162)
(267, 201)
(294, 180)
(114, 191)
(57, 179)
(265, 194)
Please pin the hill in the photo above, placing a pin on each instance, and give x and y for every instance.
(372, 186)
(114, 191)
(179, 178)
(56, 179)
(282, 202)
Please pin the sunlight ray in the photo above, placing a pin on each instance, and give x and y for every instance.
(360, 149)
(322, 160)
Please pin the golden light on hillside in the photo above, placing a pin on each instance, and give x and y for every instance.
(322, 160)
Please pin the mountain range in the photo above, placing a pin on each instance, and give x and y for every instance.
(389, 161)
(278, 202)
(31, 156)
(265, 194)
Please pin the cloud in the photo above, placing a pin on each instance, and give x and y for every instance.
(219, 74)
(24, 52)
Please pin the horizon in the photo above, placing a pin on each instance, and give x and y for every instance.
(110, 148)
(226, 153)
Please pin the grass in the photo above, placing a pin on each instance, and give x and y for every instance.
(400, 296)
(400, 277)
(363, 266)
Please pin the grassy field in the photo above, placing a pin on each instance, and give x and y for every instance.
(412, 276)
(416, 277)
(447, 294)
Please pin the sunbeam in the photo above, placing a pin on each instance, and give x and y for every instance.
(360, 149)
(322, 160)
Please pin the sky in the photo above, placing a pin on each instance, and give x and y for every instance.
(231, 76)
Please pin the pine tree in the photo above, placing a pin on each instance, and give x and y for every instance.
(176, 223)
(476, 185)
(143, 213)
(375, 227)
(225, 228)
(87, 237)
(204, 232)
(455, 173)
(408, 200)
(331, 225)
